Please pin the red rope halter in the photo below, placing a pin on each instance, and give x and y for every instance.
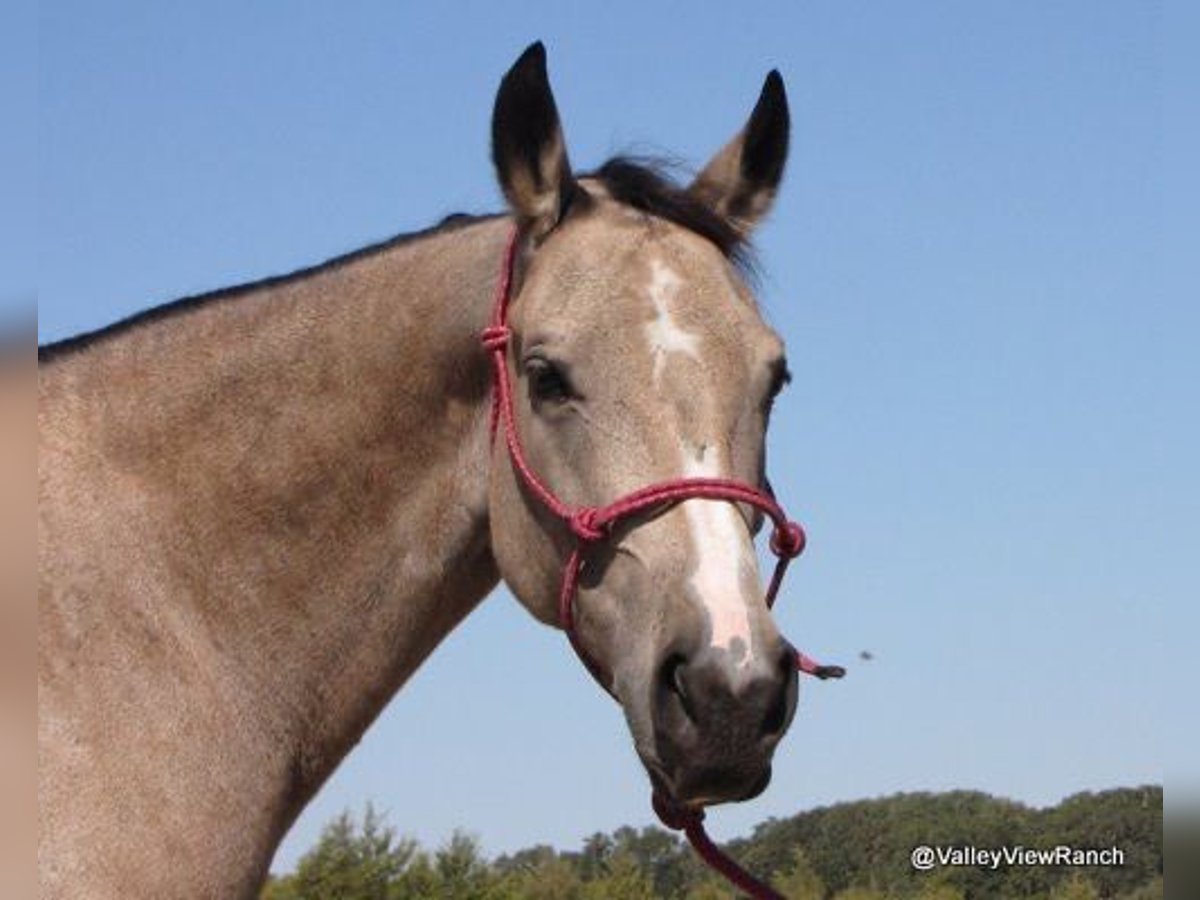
(593, 524)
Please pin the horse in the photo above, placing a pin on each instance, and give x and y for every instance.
(261, 509)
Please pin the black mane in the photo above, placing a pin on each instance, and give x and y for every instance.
(645, 185)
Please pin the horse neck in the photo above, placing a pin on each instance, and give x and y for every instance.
(310, 465)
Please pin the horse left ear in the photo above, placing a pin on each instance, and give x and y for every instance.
(528, 149)
(740, 182)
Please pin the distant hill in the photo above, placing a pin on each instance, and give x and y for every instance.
(869, 842)
(859, 850)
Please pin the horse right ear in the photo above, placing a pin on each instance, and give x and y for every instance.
(741, 181)
(527, 145)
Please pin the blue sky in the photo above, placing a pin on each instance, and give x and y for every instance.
(978, 261)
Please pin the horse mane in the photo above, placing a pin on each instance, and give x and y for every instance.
(645, 184)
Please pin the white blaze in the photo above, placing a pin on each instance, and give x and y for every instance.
(719, 541)
(716, 530)
(664, 335)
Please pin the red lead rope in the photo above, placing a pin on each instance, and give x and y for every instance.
(593, 524)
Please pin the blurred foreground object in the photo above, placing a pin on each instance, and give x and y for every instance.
(18, 621)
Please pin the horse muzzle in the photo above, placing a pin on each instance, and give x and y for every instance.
(716, 722)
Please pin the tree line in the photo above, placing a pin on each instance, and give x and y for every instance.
(847, 851)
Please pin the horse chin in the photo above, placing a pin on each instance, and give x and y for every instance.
(697, 789)
(688, 782)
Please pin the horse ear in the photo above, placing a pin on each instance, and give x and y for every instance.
(527, 145)
(740, 182)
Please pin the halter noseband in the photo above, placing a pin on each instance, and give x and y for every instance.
(592, 525)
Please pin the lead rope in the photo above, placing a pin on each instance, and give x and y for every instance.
(593, 524)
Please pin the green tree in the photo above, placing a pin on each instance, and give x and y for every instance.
(659, 855)
(418, 881)
(940, 890)
(857, 892)
(349, 862)
(800, 880)
(1151, 890)
(710, 888)
(623, 879)
(277, 888)
(462, 872)
(1077, 887)
(596, 851)
(548, 878)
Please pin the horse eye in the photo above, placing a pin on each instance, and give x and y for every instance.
(547, 383)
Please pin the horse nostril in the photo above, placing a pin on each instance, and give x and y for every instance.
(671, 677)
(776, 717)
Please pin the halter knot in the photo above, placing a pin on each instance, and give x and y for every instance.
(788, 540)
(495, 337)
(584, 524)
(672, 815)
